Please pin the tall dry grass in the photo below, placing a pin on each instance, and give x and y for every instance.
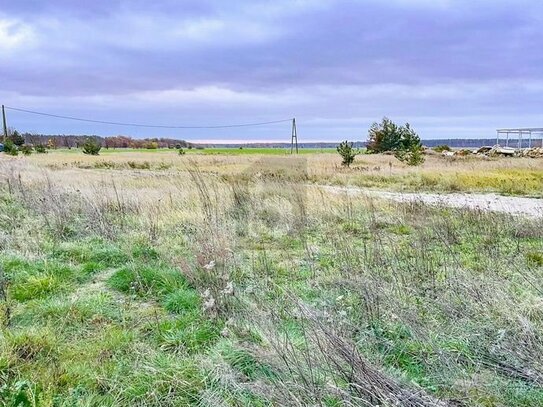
(514, 176)
(321, 299)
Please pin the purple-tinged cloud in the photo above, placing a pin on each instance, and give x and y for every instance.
(451, 68)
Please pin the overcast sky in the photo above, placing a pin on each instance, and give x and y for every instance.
(452, 68)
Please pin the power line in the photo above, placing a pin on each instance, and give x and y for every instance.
(156, 126)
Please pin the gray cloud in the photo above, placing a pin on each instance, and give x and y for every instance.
(336, 64)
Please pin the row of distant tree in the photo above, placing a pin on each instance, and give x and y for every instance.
(76, 141)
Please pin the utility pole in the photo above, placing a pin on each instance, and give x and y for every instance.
(294, 139)
(5, 125)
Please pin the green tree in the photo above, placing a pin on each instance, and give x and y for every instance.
(402, 140)
(388, 136)
(347, 153)
(409, 139)
(410, 157)
(16, 138)
(383, 137)
(91, 147)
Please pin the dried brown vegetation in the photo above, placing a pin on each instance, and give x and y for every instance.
(233, 281)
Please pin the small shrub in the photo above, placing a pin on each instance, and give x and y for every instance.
(535, 258)
(347, 153)
(26, 149)
(40, 149)
(145, 165)
(410, 157)
(181, 151)
(441, 148)
(108, 165)
(91, 147)
(10, 148)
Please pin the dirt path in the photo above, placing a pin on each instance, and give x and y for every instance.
(532, 207)
(96, 285)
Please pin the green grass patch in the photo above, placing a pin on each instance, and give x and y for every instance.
(182, 300)
(144, 280)
(91, 250)
(189, 333)
(244, 362)
(37, 279)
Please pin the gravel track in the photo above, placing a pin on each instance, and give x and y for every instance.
(531, 207)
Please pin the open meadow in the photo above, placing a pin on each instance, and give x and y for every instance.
(138, 278)
(508, 176)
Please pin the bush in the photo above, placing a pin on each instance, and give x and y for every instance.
(441, 148)
(91, 147)
(388, 136)
(26, 149)
(410, 157)
(181, 151)
(10, 148)
(40, 149)
(347, 153)
(402, 140)
(16, 138)
(151, 145)
(535, 259)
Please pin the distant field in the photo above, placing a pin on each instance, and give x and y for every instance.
(509, 176)
(223, 150)
(265, 151)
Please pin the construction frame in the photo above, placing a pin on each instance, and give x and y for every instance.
(519, 135)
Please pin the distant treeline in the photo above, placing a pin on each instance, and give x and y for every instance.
(455, 143)
(75, 141)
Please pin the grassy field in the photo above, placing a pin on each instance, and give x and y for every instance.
(152, 279)
(508, 176)
(212, 151)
